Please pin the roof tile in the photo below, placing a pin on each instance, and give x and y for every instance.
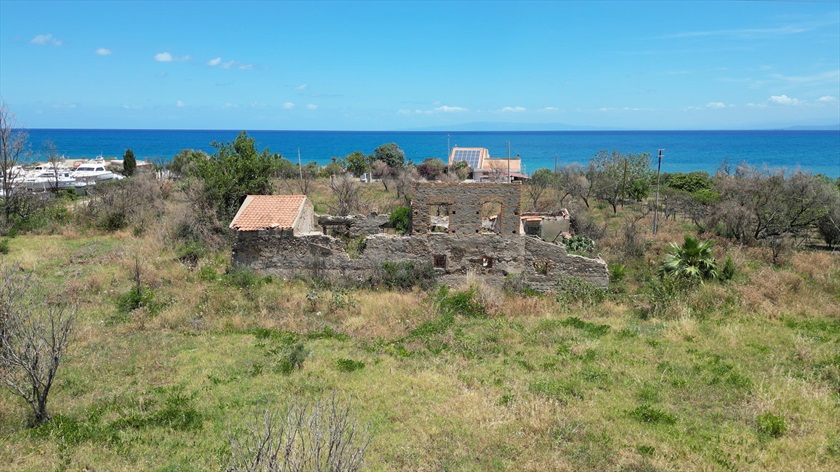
(268, 211)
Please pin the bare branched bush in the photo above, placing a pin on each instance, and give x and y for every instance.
(320, 436)
(347, 193)
(33, 338)
(136, 202)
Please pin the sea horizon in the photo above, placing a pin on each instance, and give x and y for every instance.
(812, 150)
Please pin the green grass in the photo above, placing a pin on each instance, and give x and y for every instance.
(451, 379)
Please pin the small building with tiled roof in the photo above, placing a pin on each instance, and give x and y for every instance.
(294, 214)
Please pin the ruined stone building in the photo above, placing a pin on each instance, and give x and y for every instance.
(459, 228)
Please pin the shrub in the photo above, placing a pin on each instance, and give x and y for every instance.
(574, 290)
(660, 294)
(292, 358)
(301, 436)
(244, 278)
(400, 219)
(4, 246)
(617, 272)
(403, 275)
(771, 425)
(189, 253)
(651, 415)
(580, 245)
(136, 297)
(459, 303)
(349, 365)
(693, 260)
(596, 330)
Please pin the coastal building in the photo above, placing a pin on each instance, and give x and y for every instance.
(486, 168)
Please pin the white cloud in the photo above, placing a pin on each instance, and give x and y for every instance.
(46, 40)
(715, 105)
(230, 105)
(168, 57)
(550, 109)
(217, 62)
(827, 99)
(311, 107)
(513, 109)
(784, 100)
(288, 105)
(301, 87)
(448, 109)
(180, 104)
(103, 52)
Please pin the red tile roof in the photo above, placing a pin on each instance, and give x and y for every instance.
(268, 211)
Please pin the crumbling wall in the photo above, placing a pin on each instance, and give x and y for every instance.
(352, 226)
(492, 257)
(464, 202)
(463, 247)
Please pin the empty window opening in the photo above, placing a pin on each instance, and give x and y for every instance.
(440, 261)
(438, 218)
(487, 262)
(491, 217)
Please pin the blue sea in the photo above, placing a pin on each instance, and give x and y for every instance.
(684, 151)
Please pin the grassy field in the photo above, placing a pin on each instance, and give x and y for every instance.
(737, 376)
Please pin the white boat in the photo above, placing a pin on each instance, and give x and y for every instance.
(93, 172)
(49, 180)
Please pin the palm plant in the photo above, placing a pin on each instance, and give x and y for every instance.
(691, 260)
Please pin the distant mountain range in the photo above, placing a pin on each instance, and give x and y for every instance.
(507, 126)
(815, 128)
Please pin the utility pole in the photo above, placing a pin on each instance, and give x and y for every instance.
(555, 163)
(656, 204)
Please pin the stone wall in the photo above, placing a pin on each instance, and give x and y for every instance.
(490, 256)
(463, 203)
(352, 226)
(463, 248)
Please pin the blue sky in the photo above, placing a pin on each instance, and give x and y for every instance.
(415, 65)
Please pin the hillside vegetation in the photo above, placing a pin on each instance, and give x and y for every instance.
(175, 353)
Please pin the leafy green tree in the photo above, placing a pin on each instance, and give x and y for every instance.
(233, 172)
(431, 168)
(390, 154)
(129, 163)
(613, 176)
(184, 162)
(357, 163)
(693, 260)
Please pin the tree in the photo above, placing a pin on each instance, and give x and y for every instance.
(390, 154)
(762, 205)
(357, 163)
(13, 144)
(129, 163)
(233, 172)
(537, 185)
(614, 176)
(431, 168)
(347, 193)
(185, 161)
(54, 159)
(693, 260)
(33, 338)
(576, 183)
